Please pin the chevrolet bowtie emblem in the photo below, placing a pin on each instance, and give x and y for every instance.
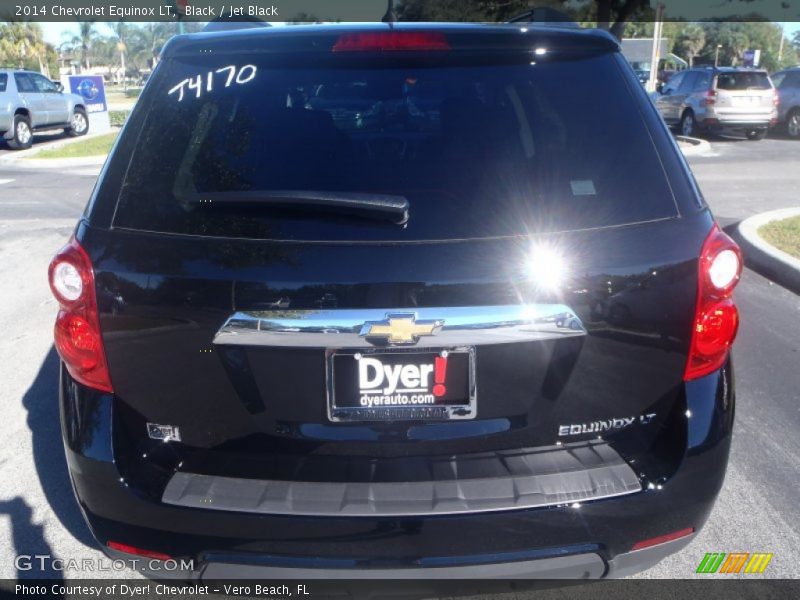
(399, 329)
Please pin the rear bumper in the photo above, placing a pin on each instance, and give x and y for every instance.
(580, 540)
(717, 124)
(477, 483)
(590, 565)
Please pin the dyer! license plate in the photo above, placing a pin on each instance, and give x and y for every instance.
(401, 385)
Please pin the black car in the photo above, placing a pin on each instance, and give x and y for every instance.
(467, 326)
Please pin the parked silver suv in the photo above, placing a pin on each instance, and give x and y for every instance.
(719, 100)
(788, 85)
(30, 102)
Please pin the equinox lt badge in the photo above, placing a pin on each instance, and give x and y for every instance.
(604, 425)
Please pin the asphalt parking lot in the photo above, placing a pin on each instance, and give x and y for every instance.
(40, 140)
(757, 510)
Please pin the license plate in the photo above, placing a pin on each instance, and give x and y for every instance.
(745, 100)
(401, 385)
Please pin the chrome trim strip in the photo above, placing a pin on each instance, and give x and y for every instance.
(342, 328)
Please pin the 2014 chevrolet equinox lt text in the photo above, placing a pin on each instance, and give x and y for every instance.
(363, 301)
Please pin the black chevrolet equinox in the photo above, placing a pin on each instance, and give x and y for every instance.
(431, 301)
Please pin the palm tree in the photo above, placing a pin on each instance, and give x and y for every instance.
(691, 42)
(121, 31)
(22, 44)
(150, 37)
(738, 42)
(146, 41)
(85, 40)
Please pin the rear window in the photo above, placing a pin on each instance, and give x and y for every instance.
(743, 80)
(3, 82)
(478, 151)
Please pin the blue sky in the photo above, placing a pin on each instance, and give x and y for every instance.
(791, 28)
(55, 33)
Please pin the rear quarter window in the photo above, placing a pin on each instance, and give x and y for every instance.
(3, 82)
(687, 84)
(702, 82)
(743, 80)
(479, 151)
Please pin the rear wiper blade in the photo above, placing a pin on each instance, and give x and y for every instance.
(380, 206)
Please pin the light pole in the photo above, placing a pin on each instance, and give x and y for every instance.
(784, 6)
(655, 54)
(716, 55)
(121, 47)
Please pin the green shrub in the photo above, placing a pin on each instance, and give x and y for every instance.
(133, 92)
(93, 146)
(784, 234)
(118, 117)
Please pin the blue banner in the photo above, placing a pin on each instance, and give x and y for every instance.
(93, 90)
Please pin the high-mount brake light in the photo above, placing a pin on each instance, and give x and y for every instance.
(77, 329)
(716, 319)
(391, 41)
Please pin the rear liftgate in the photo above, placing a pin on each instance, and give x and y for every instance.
(412, 364)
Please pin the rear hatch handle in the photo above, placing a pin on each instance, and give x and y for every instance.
(379, 206)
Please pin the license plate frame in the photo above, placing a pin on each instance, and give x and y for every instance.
(460, 409)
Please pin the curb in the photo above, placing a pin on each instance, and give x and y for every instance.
(55, 163)
(27, 158)
(777, 265)
(696, 145)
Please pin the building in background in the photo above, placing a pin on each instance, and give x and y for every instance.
(639, 52)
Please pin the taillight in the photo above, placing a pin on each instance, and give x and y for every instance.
(391, 41)
(776, 98)
(77, 330)
(711, 97)
(716, 319)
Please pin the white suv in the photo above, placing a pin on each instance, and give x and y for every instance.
(30, 102)
(721, 100)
